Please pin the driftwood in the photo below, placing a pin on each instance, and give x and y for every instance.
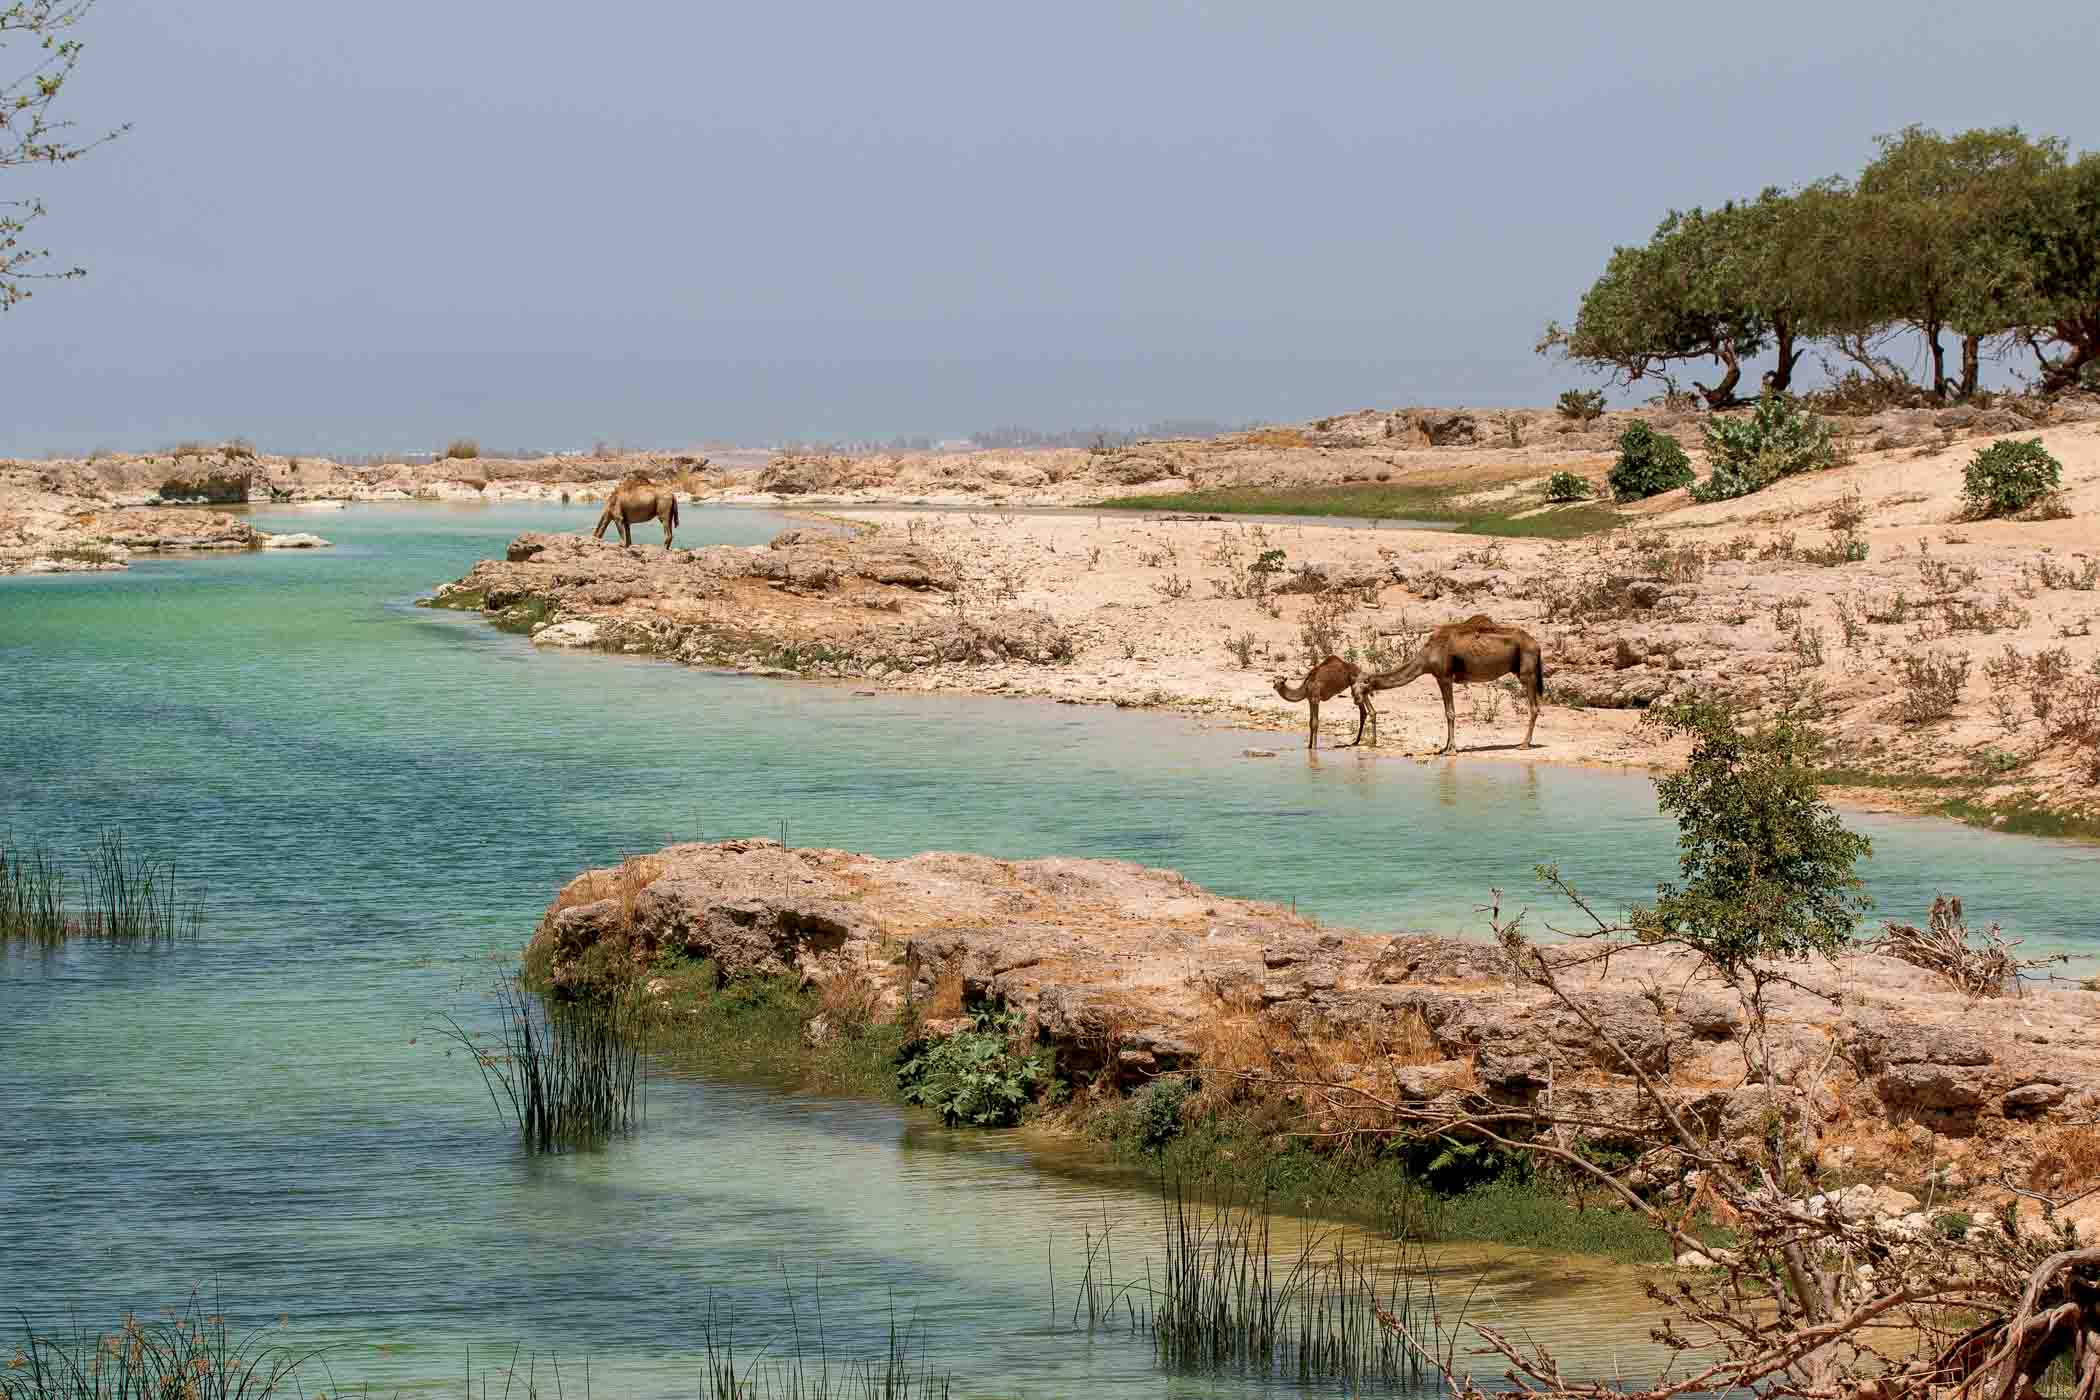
(1944, 947)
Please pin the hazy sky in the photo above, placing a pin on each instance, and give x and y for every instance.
(341, 227)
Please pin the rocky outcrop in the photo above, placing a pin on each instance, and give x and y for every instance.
(221, 485)
(1132, 972)
(811, 602)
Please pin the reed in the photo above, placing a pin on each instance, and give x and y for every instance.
(568, 1074)
(191, 1354)
(1222, 1299)
(124, 896)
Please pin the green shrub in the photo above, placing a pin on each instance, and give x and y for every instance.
(462, 450)
(1566, 486)
(1649, 464)
(2009, 476)
(975, 1076)
(1779, 438)
(1159, 1112)
(1582, 405)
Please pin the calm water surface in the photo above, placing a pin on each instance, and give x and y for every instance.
(378, 797)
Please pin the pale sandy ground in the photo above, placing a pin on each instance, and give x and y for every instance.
(1754, 627)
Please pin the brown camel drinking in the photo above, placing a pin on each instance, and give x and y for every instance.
(1473, 652)
(633, 501)
(1323, 682)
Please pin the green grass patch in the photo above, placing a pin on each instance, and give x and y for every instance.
(2021, 818)
(1439, 504)
(1426, 1192)
(462, 600)
(1895, 780)
(752, 1028)
(522, 617)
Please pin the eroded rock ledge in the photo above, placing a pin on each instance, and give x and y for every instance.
(811, 602)
(1137, 971)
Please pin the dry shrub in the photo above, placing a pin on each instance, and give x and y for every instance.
(1277, 437)
(2068, 1161)
(587, 888)
(637, 873)
(851, 999)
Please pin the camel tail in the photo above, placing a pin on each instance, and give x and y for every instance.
(674, 521)
(1542, 673)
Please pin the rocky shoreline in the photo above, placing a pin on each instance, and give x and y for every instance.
(1911, 1091)
(1953, 663)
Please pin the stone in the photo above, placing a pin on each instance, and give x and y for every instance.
(294, 541)
(578, 632)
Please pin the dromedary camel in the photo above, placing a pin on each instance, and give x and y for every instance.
(633, 501)
(1323, 682)
(1472, 652)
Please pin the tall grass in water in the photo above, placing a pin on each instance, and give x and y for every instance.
(785, 1369)
(569, 1075)
(122, 895)
(1224, 1300)
(193, 1355)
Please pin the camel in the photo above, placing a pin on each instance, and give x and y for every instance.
(1323, 682)
(633, 501)
(1472, 652)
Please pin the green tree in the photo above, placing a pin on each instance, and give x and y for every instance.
(1677, 299)
(1765, 865)
(2035, 273)
(29, 134)
(1921, 204)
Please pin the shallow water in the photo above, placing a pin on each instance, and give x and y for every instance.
(378, 796)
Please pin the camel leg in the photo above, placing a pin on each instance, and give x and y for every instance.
(1450, 717)
(1362, 713)
(667, 534)
(1534, 688)
(1312, 734)
(604, 519)
(626, 532)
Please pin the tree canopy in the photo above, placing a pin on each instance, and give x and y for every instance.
(29, 133)
(1990, 236)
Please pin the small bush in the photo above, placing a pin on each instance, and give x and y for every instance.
(1932, 684)
(1242, 649)
(1566, 486)
(1159, 1112)
(2009, 476)
(1778, 439)
(975, 1076)
(1581, 405)
(1649, 464)
(462, 450)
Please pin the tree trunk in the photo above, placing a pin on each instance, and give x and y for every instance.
(2082, 335)
(1723, 393)
(1939, 362)
(1971, 364)
(1783, 331)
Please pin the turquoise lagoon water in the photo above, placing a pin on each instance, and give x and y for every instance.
(378, 797)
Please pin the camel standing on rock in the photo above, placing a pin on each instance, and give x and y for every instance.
(1472, 652)
(1323, 682)
(633, 501)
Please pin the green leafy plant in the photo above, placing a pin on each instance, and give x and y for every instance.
(974, 1077)
(1581, 405)
(1649, 464)
(2009, 476)
(1159, 1111)
(1779, 438)
(1566, 486)
(1766, 864)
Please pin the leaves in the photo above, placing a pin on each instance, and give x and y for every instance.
(1766, 865)
(974, 1077)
